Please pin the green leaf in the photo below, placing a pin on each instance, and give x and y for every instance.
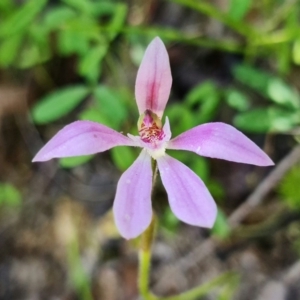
(85, 26)
(58, 16)
(221, 227)
(6, 7)
(284, 57)
(102, 8)
(58, 104)
(266, 119)
(111, 104)
(208, 109)
(9, 195)
(256, 79)
(32, 56)
(182, 118)
(123, 157)
(199, 93)
(78, 35)
(19, 20)
(282, 93)
(181, 156)
(238, 9)
(72, 42)
(93, 114)
(254, 121)
(71, 162)
(83, 6)
(90, 63)
(37, 49)
(273, 88)
(207, 98)
(169, 220)
(200, 167)
(9, 50)
(118, 20)
(296, 51)
(282, 120)
(237, 100)
(216, 189)
(289, 188)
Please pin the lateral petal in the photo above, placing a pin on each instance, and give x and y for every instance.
(188, 196)
(154, 80)
(132, 206)
(167, 130)
(82, 138)
(220, 140)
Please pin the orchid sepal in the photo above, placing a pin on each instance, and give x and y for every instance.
(82, 138)
(220, 140)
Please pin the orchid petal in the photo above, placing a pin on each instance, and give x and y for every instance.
(82, 138)
(167, 130)
(154, 80)
(219, 140)
(188, 196)
(132, 206)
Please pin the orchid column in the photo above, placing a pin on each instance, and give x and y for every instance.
(188, 196)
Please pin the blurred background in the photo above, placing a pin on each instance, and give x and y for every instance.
(234, 61)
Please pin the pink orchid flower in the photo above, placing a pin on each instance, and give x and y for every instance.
(189, 198)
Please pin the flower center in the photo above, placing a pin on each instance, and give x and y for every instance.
(150, 128)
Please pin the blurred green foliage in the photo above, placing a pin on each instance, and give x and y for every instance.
(58, 104)
(36, 31)
(221, 227)
(169, 222)
(238, 9)
(228, 291)
(79, 279)
(289, 188)
(9, 196)
(277, 105)
(74, 161)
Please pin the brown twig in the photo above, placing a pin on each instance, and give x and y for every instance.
(265, 187)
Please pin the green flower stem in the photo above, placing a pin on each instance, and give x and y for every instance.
(145, 250)
(146, 241)
(144, 269)
(145, 261)
(228, 278)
